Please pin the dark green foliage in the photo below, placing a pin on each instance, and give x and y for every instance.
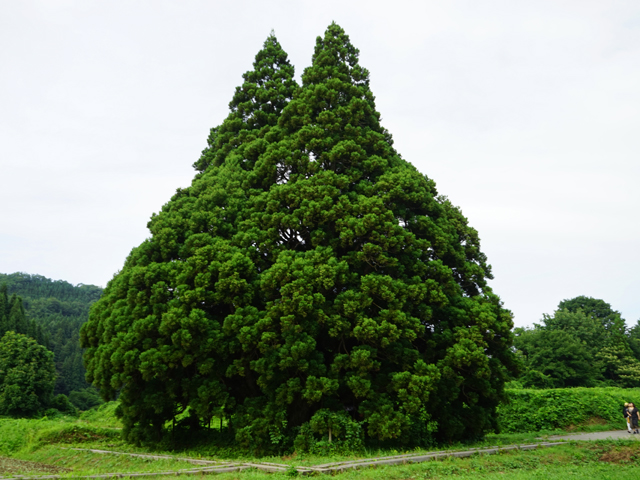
(85, 399)
(13, 317)
(4, 306)
(593, 308)
(535, 410)
(27, 375)
(54, 312)
(585, 343)
(63, 405)
(634, 340)
(17, 320)
(31, 287)
(308, 275)
(180, 362)
(560, 357)
(330, 432)
(255, 108)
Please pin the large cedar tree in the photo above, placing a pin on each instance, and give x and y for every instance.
(308, 271)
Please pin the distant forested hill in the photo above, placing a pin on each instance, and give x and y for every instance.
(60, 309)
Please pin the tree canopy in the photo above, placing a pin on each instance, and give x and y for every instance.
(309, 282)
(583, 344)
(27, 375)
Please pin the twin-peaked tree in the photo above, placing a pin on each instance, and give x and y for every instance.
(310, 279)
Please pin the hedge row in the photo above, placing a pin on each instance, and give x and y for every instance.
(535, 410)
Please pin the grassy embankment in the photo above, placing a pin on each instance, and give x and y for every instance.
(45, 446)
(571, 409)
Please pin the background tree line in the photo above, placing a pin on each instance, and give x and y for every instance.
(51, 313)
(585, 343)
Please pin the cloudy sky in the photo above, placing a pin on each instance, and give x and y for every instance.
(526, 114)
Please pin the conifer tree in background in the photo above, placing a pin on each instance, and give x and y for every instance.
(4, 308)
(634, 339)
(13, 317)
(17, 319)
(309, 282)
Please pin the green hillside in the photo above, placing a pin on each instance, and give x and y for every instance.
(59, 308)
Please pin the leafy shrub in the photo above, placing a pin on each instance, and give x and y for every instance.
(330, 432)
(52, 413)
(63, 405)
(85, 399)
(534, 410)
(27, 376)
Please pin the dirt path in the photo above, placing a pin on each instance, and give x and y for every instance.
(12, 466)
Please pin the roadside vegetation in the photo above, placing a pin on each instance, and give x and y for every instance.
(573, 409)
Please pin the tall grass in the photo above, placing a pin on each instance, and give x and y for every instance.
(102, 416)
(16, 434)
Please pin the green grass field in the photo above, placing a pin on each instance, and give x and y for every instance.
(596, 460)
(46, 446)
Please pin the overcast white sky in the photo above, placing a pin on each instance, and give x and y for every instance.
(526, 114)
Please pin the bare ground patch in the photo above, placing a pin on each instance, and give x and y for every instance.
(622, 454)
(13, 466)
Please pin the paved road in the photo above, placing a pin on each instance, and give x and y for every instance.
(616, 434)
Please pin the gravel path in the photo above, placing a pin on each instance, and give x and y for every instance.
(613, 435)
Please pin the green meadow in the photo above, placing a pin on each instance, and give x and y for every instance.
(60, 446)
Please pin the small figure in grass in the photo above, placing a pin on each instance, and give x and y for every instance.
(634, 417)
(627, 417)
